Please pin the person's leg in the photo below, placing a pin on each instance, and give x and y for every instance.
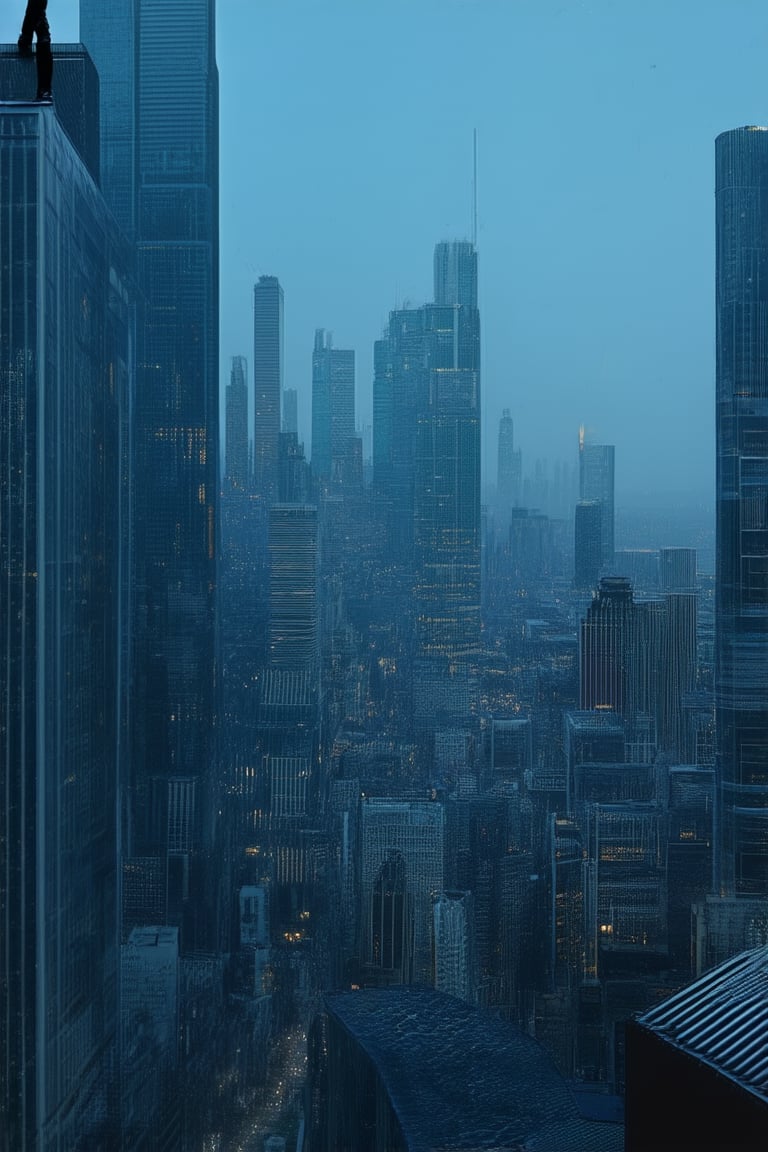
(43, 54)
(34, 11)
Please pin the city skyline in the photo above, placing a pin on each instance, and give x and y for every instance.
(633, 304)
(296, 701)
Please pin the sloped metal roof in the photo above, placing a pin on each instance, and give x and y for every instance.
(460, 1077)
(722, 1018)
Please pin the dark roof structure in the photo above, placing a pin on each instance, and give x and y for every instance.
(722, 1019)
(459, 1077)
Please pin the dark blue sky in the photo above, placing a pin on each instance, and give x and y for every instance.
(346, 153)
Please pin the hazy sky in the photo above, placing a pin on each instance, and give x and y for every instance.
(346, 153)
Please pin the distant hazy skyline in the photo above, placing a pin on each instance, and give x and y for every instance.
(346, 154)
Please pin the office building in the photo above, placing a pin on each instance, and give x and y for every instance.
(509, 465)
(110, 32)
(605, 647)
(159, 115)
(741, 563)
(446, 503)
(401, 865)
(333, 409)
(236, 442)
(588, 544)
(454, 945)
(268, 359)
(65, 367)
(455, 273)
(149, 1049)
(293, 587)
(596, 482)
(677, 569)
(290, 420)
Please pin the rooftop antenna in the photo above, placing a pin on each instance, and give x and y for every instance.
(474, 188)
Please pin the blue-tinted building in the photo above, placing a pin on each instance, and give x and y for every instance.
(66, 359)
(333, 408)
(596, 482)
(741, 613)
(160, 141)
(268, 360)
(413, 1070)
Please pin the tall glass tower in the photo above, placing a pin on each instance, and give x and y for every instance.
(65, 366)
(741, 606)
(267, 384)
(159, 110)
(447, 463)
(596, 482)
(333, 406)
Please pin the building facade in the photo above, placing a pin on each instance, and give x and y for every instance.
(236, 442)
(741, 564)
(66, 362)
(596, 482)
(268, 358)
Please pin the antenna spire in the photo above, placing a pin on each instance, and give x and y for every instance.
(474, 188)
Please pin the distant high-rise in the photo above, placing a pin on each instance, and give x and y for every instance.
(65, 370)
(290, 423)
(267, 384)
(293, 587)
(605, 647)
(401, 867)
(596, 482)
(447, 473)
(509, 466)
(677, 569)
(741, 567)
(455, 273)
(588, 543)
(236, 443)
(110, 32)
(333, 408)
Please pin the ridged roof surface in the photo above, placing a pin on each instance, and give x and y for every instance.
(459, 1077)
(722, 1018)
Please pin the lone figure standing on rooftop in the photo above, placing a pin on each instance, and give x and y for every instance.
(35, 23)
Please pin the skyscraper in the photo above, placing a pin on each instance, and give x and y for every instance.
(290, 421)
(236, 443)
(509, 467)
(447, 471)
(293, 587)
(588, 543)
(110, 32)
(596, 482)
(455, 273)
(267, 384)
(333, 407)
(65, 366)
(159, 113)
(605, 647)
(741, 564)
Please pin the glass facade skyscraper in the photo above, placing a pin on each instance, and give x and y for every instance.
(447, 474)
(596, 482)
(236, 444)
(159, 110)
(741, 574)
(333, 406)
(65, 365)
(267, 384)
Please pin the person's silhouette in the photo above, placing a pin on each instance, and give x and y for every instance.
(35, 24)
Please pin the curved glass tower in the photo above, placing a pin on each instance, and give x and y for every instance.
(741, 622)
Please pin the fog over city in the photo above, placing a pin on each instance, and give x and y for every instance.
(347, 153)
(384, 575)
